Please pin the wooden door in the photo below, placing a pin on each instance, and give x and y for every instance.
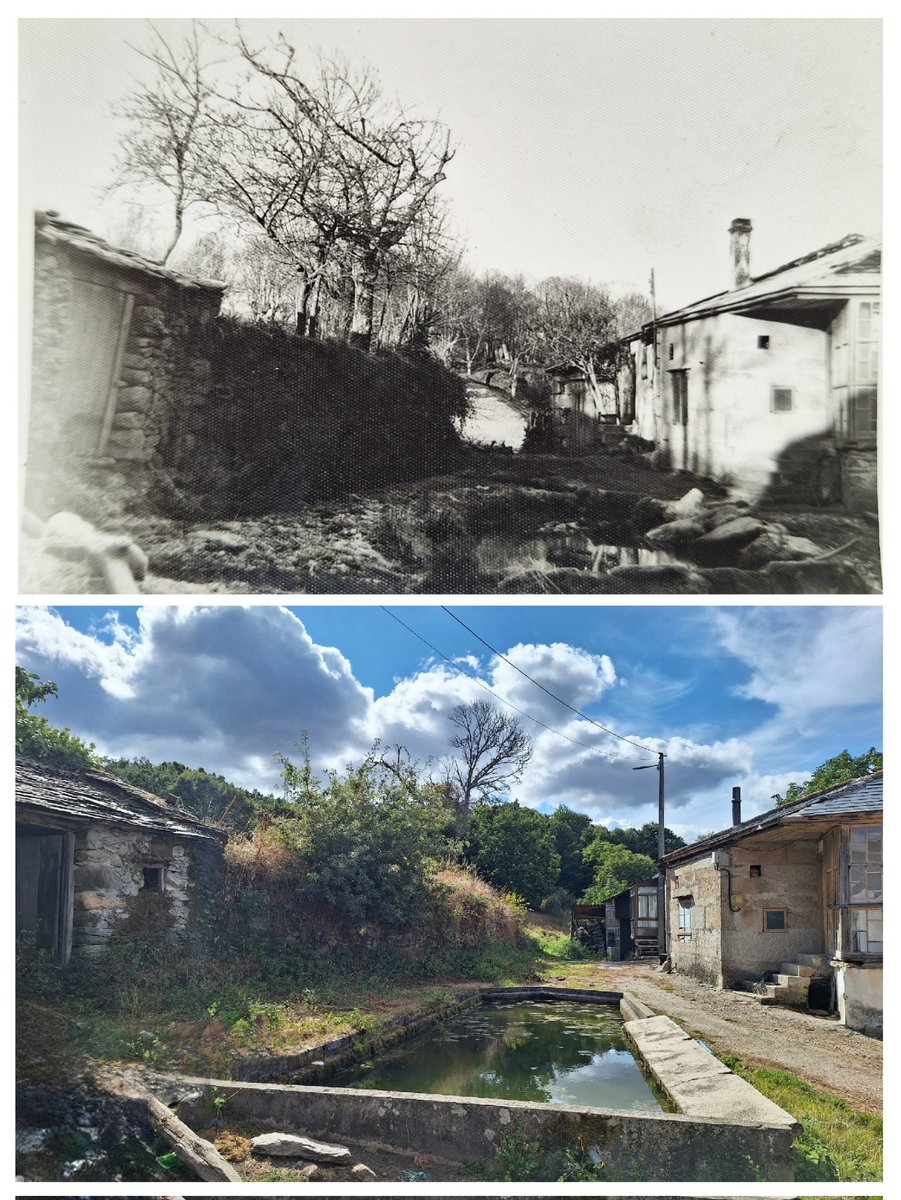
(99, 317)
(44, 889)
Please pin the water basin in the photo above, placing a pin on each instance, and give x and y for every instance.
(550, 550)
(560, 1053)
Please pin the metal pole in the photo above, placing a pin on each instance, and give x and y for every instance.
(662, 948)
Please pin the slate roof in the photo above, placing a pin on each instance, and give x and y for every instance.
(50, 228)
(857, 797)
(829, 271)
(94, 796)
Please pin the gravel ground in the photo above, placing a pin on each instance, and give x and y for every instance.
(817, 1049)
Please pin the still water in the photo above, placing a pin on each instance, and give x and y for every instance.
(560, 1053)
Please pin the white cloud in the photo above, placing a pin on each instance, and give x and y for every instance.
(224, 688)
(806, 660)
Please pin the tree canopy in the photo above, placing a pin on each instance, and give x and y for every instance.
(35, 736)
(615, 869)
(839, 769)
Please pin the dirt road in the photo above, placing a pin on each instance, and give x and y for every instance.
(817, 1049)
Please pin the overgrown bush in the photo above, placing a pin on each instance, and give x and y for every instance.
(36, 737)
(291, 419)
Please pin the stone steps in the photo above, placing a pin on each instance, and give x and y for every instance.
(790, 985)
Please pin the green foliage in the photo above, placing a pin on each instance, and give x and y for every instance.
(514, 848)
(208, 796)
(36, 737)
(838, 769)
(615, 869)
(643, 840)
(572, 833)
(363, 841)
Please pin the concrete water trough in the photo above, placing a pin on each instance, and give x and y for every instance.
(723, 1129)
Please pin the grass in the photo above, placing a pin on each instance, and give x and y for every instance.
(839, 1143)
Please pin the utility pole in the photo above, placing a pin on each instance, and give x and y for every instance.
(661, 850)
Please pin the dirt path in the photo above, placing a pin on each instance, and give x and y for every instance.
(819, 1050)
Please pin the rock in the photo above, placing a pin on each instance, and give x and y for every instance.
(819, 578)
(648, 512)
(675, 533)
(732, 535)
(670, 579)
(776, 546)
(361, 1171)
(311, 1173)
(691, 504)
(290, 1145)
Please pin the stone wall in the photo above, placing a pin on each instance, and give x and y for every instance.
(109, 884)
(163, 367)
(701, 954)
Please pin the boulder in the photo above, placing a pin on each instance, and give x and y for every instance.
(648, 512)
(732, 535)
(675, 533)
(690, 505)
(774, 545)
(362, 1172)
(291, 1145)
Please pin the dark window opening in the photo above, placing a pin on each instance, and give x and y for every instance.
(756, 871)
(672, 351)
(776, 919)
(153, 879)
(781, 400)
(763, 342)
(680, 397)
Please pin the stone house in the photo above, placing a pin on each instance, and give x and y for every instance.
(772, 383)
(790, 900)
(576, 416)
(120, 374)
(95, 855)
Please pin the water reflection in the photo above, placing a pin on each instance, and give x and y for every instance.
(563, 1053)
(552, 549)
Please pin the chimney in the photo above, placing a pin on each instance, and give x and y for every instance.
(736, 806)
(740, 231)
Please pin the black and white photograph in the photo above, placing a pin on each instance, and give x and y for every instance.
(452, 306)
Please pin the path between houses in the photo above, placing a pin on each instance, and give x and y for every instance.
(821, 1051)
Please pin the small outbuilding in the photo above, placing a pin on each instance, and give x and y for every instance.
(96, 856)
(790, 901)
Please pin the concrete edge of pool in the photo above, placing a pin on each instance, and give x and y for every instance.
(724, 1129)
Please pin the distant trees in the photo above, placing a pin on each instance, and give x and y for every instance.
(210, 797)
(615, 869)
(514, 848)
(839, 769)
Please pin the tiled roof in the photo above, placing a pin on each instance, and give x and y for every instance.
(50, 228)
(857, 797)
(94, 796)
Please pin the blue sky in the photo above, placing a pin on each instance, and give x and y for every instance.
(754, 696)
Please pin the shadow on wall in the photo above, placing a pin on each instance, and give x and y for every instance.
(810, 471)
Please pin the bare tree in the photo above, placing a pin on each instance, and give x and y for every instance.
(577, 324)
(166, 125)
(493, 750)
(376, 169)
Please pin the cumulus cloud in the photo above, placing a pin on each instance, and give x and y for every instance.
(224, 688)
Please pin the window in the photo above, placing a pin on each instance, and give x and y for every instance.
(763, 342)
(154, 879)
(672, 351)
(756, 871)
(866, 930)
(686, 904)
(865, 865)
(647, 906)
(775, 918)
(781, 400)
(680, 397)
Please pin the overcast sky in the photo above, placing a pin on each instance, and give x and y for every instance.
(597, 147)
(754, 696)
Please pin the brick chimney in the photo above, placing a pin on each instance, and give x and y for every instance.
(740, 231)
(736, 806)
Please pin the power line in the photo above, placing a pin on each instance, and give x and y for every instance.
(456, 666)
(547, 691)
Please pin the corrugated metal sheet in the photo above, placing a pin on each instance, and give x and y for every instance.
(97, 797)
